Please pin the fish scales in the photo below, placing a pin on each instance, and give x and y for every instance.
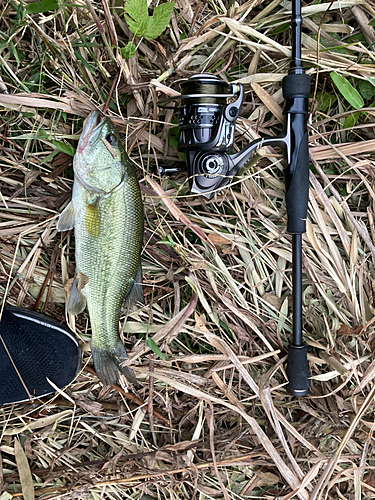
(108, 219)
(110, 260)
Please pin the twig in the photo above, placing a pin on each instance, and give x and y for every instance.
(211, 424)
(101, 30)
(197, 10)
(49, 276)
(130, 396)
(150, 398)
(114, 83)
(227, 64)
(147, 477)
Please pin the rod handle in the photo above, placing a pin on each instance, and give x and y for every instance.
(296, 88)
(298, 371)
(296, 85)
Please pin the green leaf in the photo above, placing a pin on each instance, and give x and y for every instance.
(20, 14)
(136, 15)
(41, 6)
(50, 157)
(325, 101)
(366, 89)
(168, 241)
(357, 37)
(137, 9)
(128, 51)
(347, 90)
(372, 22)
(161, 17)
(351, 120)
(139, 27)
(15, 53)
(280, 29)
(154, 348)
(78, 43)
(64, 148)
(42, 134)
(141, 24)
(83, 61)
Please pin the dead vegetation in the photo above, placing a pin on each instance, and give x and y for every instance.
(212, 419)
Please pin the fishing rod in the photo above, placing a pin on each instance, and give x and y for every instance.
(208, 110)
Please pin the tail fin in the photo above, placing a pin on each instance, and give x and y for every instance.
(110, 362)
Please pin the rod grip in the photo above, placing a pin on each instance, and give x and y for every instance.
(296, 88)
(298, 371)
(296, 85)
(297, 184)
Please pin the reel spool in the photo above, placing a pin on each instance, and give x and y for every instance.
(208, 110)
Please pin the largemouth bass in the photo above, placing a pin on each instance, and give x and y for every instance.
(106, 212)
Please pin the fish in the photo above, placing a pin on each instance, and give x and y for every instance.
(106, 212)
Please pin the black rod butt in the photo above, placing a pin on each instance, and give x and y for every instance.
(298, 371)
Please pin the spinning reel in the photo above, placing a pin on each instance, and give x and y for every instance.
(208, 110)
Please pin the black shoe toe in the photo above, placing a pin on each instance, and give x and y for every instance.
(34, 347)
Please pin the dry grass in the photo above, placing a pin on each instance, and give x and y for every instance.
(217, 274)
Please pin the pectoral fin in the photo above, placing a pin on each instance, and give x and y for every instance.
(67, 219)
(76, 300)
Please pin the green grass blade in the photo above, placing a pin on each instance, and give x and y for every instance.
(347, 90)
(41, 6)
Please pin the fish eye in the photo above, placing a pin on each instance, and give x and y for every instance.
(110, 138)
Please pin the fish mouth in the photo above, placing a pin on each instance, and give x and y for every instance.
(92, 123)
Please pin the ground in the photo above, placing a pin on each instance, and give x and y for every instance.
(216, 273)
